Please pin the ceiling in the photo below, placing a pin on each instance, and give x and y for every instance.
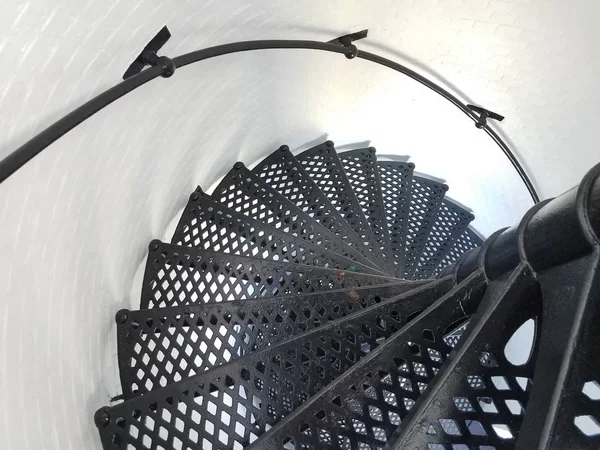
(75, 221)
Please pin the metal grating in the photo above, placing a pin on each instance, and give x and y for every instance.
(208, 225)
(366, 404)
(360, 167)
(468, 240)
(396, 182)
(425, 200)
(157, 347)
(284, 173)
(450, 223)
(275, 292)
(181, 276)
(260, 346)
(247, 194)
(324, 167)
(234, 404)
(480, 396)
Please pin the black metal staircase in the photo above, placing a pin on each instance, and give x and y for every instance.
(334, 301)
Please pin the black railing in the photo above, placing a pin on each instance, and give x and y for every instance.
(166, 66)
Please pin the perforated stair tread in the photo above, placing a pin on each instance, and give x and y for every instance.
(246, 193)
(324, 167)
(367, 403)
(396, 185)
(233, 404)
(468, 240)
(360, 167)
(177, 275)
(211, 226)
(425, 200)
(194, 338)
(451, 222)
(479, 397)
(284, 173)
(294, 308)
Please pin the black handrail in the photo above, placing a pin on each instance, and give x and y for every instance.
(26, 152)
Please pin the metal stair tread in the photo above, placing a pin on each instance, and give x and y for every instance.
(450, 223)
(396, 182)
(368, 402)
(425, 200)
(177, 275)
(244, 192)
(274, 289)
(360, 167)
(194, 338)
(288, 176)
(255, 390)
(325, 168)
(209, 225)
(485, 396)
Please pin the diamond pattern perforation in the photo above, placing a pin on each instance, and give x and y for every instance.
(450, 223)
(271, 320)
(178, 275)
(480, 397)
(284, 173)
(325, 168)
(208, 225)
(468, 240)
(396, 181)
(366, 404)
(360, 167)
(247, 194)
(161, 346)
(425, 200)
(232, 405)
(583, 427)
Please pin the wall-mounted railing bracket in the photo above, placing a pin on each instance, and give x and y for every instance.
(347, 41)
(148, 56)
(484, 115)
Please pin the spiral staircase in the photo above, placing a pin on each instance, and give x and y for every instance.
(336, 301)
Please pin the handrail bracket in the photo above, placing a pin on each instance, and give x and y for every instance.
(149, 57)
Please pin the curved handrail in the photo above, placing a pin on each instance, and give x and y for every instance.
(37, 144)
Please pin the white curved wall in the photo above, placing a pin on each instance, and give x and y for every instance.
(76, 220)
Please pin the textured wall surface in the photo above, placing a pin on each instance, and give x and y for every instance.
(75, 222)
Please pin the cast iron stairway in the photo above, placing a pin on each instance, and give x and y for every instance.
(333, 301)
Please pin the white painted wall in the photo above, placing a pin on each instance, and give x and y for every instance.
(76, 220)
